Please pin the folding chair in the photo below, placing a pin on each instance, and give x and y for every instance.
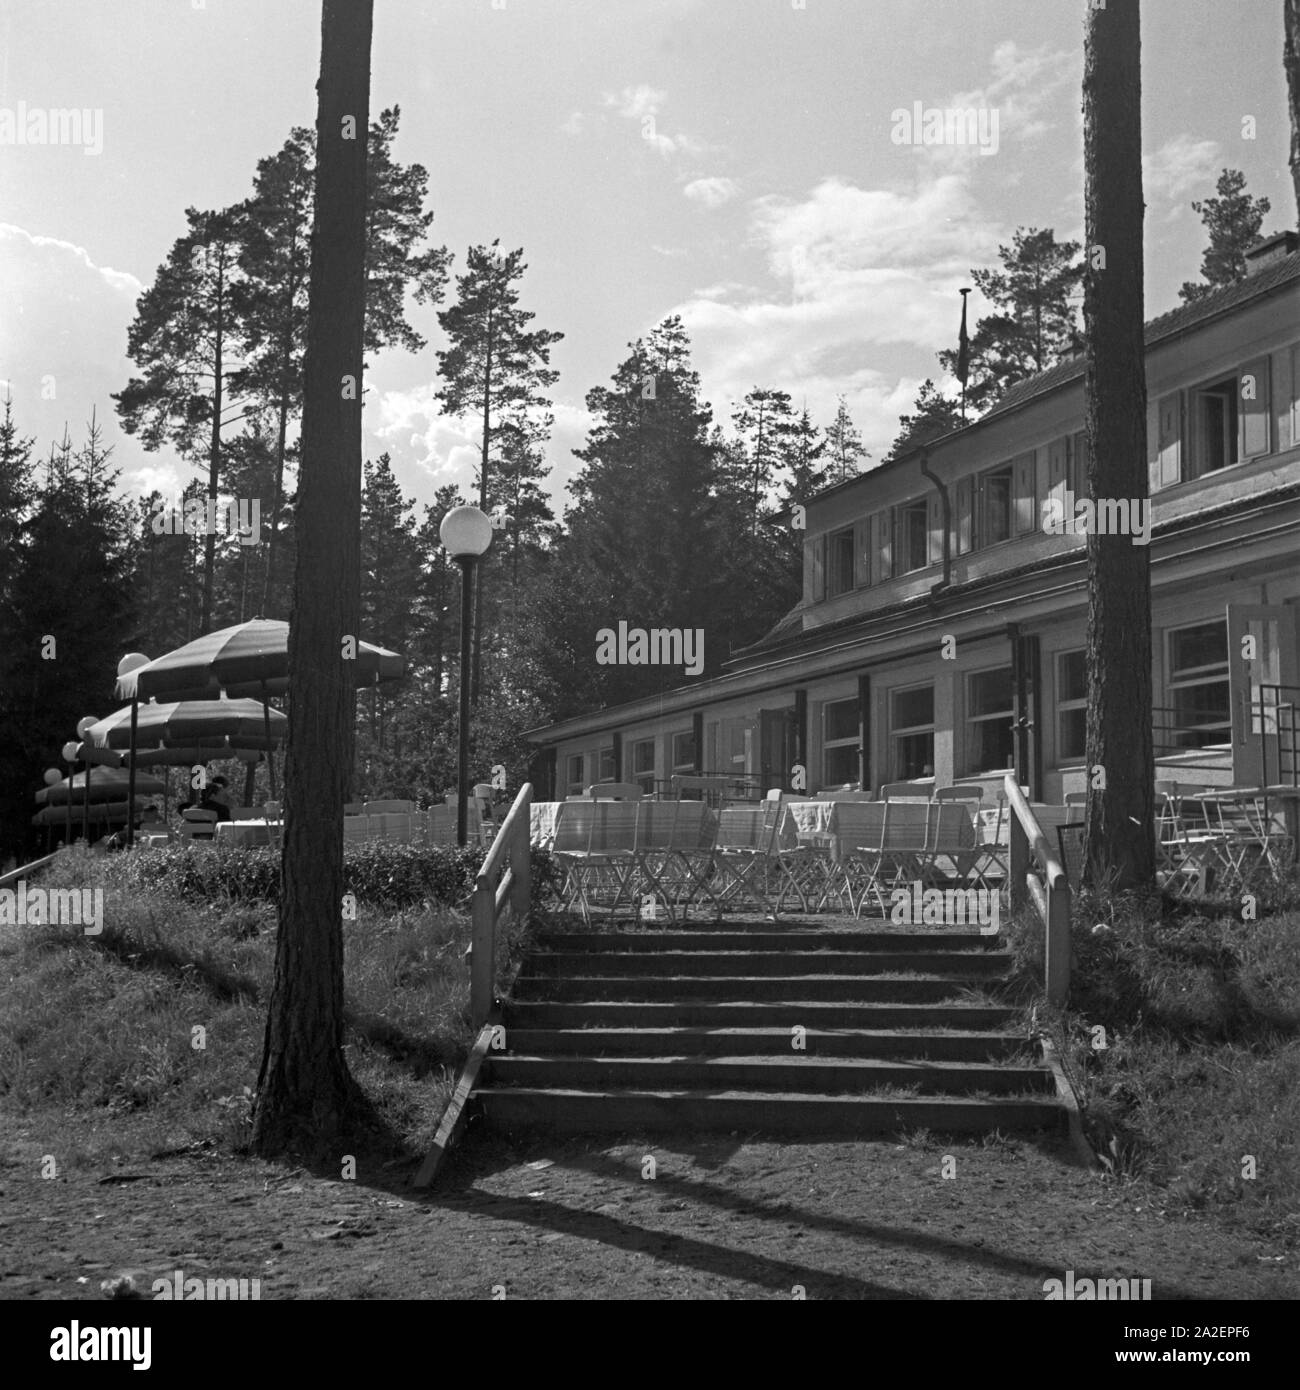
(992, 847)
(951, 846)
(1186, 858)
(197, 824)
(856, 844)
(745, 854)
(1249, 842)
(972, 793)
(595, 842)
(904, 791)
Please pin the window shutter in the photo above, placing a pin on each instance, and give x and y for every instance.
(1169, 439)
(964, 493)
(818, 568)
(1295, 398)
(1058, 474)
(934, 527)
(1253, 396)
(1024, 492)
(883, 560)
(861, 553)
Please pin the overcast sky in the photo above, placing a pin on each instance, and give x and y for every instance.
(764, 199)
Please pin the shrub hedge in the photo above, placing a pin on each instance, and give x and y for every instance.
(386, 874)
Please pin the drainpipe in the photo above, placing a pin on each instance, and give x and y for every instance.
(946, 503)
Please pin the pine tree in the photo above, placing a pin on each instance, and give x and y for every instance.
(17, 490)
(845, 452)
(933, 415)
(1034, 323)
(187, 338)
(1232, 221)
(766, 427)
(1291, 66)
(1120, 835)
(495, 370)
(307, 1100)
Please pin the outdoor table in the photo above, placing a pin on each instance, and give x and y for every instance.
(244, 832)
(541, 822)
(811, 818)
(152, 840)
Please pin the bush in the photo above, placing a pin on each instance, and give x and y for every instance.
(379, 872)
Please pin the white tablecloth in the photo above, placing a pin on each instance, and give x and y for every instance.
(243, 832)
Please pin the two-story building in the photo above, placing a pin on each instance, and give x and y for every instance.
(942, 625)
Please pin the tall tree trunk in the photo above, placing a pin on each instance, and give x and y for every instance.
(476, 666)
(1291, 63)
(1121, 805)
(214, 448)
(307, 1099)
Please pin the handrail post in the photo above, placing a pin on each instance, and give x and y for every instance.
(521, 863)
(482, 971)
(1056, 966)
(1018, 868)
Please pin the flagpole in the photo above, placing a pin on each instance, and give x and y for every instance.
(963, 355)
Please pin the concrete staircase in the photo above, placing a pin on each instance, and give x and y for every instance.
(645, 1030)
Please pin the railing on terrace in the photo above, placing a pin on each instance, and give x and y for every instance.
(1036, 875)
(711, 787)
(1276, 722)
(505, 878)
(1210, 736)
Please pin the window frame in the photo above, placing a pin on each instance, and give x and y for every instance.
(981, 508)
(896, 734)
(1009, 714)
(575, 785)
(830, 745)
(903, 538)
(1069, 706)
(841, 551)
(1195, 677)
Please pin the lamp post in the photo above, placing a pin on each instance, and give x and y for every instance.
(83, 733)
(130, 662)
(466, 534)
(70, 757)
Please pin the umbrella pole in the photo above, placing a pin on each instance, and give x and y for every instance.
(85, 807)
(67, 827)
(130, 776)
(270, 752)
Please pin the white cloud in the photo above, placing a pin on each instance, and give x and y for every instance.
(574, 124)
(712, 192)
(1179, 169)
(637, 102)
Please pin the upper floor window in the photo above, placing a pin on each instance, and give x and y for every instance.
(840, 562)
(993, 506)
(911, 536)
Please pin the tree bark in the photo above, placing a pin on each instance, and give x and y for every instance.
(214, 447)
(306, 1097)
(1291, 63)
(1121, 807)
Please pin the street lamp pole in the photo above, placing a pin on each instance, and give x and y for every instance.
(466, 534)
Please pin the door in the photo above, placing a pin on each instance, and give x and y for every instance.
(1265, 692)
(776, 747)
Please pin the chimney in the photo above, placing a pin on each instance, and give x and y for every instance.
(1271, 250)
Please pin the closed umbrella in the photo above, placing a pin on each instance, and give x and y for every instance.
(108, 784)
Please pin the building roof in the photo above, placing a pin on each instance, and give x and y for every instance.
(1259, 283)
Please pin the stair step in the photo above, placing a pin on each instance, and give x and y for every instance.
(748, 1042)
(779, 1014)
(797, 1072)
(624, 1112)
(791, 990)
(742, 938)
(572, 964)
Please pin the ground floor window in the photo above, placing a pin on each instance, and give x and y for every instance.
(839, 742)
(643, 764)
(574, 783)
(989, 744)
(1071, 706)
(1198, 708)
(684, 751)
(911, 733)
(608, 772)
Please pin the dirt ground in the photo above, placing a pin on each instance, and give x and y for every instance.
(719, 1217)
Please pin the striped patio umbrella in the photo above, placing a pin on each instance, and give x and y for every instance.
(99, 812)
(213, 723)
(107, 784)
(250, 659)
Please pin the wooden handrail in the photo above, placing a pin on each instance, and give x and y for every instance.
(510, 850)
(34, 867)
(1051, 897)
